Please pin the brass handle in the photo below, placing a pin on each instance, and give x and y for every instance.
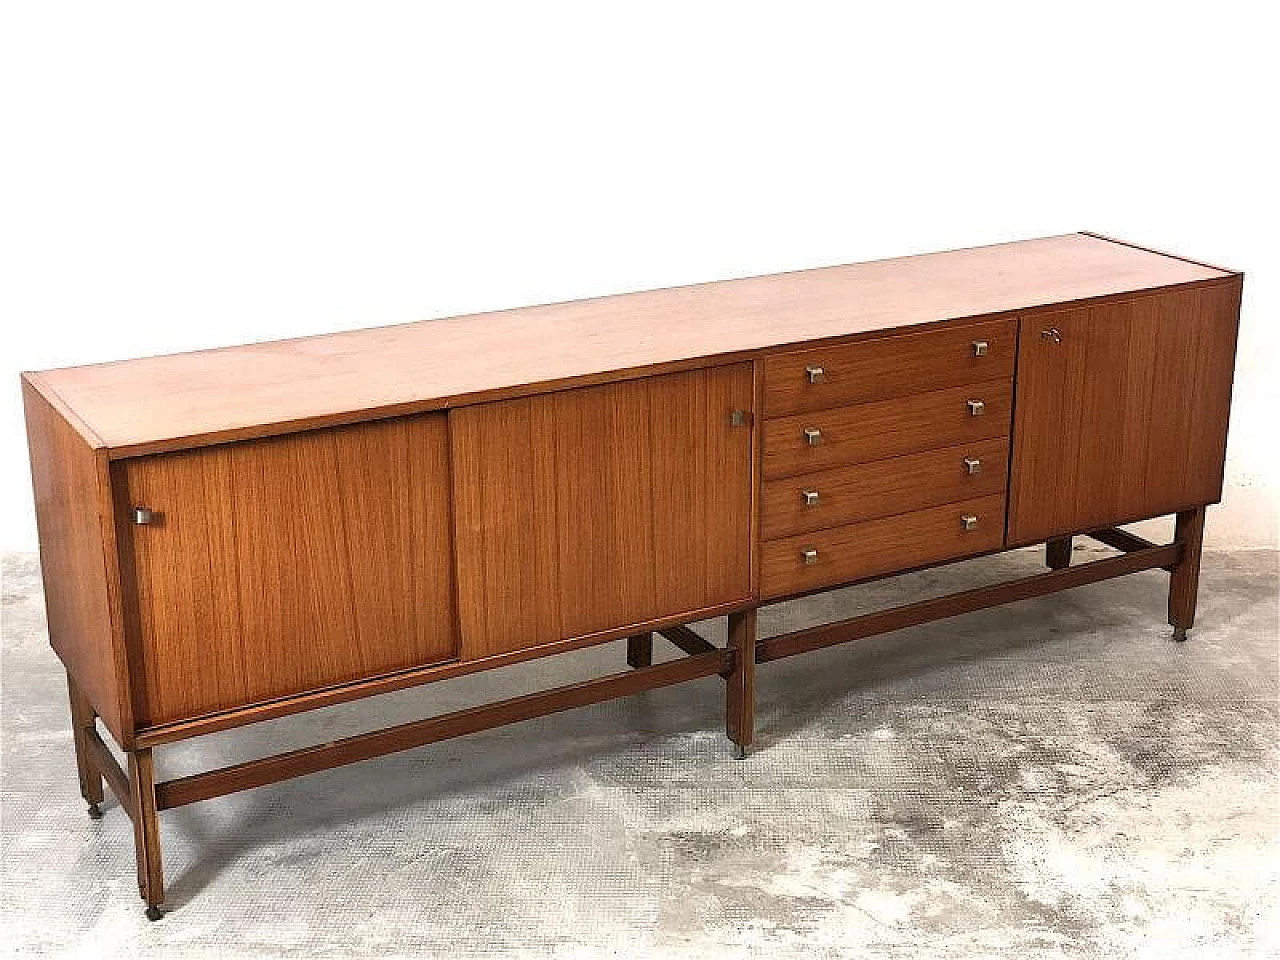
(816, 374)
(969, 522)
(142, 515)
(1053, 333)
(810, 497)
(972, 465)
(976, 408)
(809, 555)
(812, 436)
(980, 348)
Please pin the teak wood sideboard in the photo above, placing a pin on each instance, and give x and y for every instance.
(234, 535)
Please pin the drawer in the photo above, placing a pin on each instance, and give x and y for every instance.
(886, 428)
(889, 367)
(873, 547)
(863, 491)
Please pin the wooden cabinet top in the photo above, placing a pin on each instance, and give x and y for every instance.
(134, 407)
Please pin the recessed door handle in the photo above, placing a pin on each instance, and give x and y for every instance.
(980, 348)
(810, 497)
(816, 374)
(738, 418)
(976, 408)
(142, 516)
(812, 436)
(809, 556)
(1053, 333)
(969, 522)
(972, 465)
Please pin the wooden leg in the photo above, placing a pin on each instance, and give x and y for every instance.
(146, 831)
(640, 650)
(1057, 553)
(740, 688)
(1184, 581)
(82, 720)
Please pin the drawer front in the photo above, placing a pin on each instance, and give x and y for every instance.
(886, 428)
(889, 367)
(882, 488)
(885, 545)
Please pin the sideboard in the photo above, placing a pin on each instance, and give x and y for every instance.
(234, 535)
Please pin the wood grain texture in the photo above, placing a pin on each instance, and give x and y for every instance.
(142, 406)
(889, 366)
(590, 509)
(70, 483)
(286, 565)
(873, 547)
(882, 488)
(404, 679)
(886, 428)
(505, 493)
(1125, 415)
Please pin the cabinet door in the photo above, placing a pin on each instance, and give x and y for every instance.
(592, 509)
(283, 565)
(1121, 411)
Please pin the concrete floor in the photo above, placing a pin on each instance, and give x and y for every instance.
(1052, 779)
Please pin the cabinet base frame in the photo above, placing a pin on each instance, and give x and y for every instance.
(1149, 557)
(141, 797)
(417, 733)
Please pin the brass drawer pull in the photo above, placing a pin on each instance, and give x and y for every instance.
(809, 555)
(969, 522)
(972, 465)
(816, 374)
(980, 348)
(812, 436)
(810, 497)
(976, 408)
(142, 516)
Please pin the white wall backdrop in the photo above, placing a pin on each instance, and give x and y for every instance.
(175, 176)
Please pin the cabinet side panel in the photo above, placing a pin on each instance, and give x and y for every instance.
(68, 482)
